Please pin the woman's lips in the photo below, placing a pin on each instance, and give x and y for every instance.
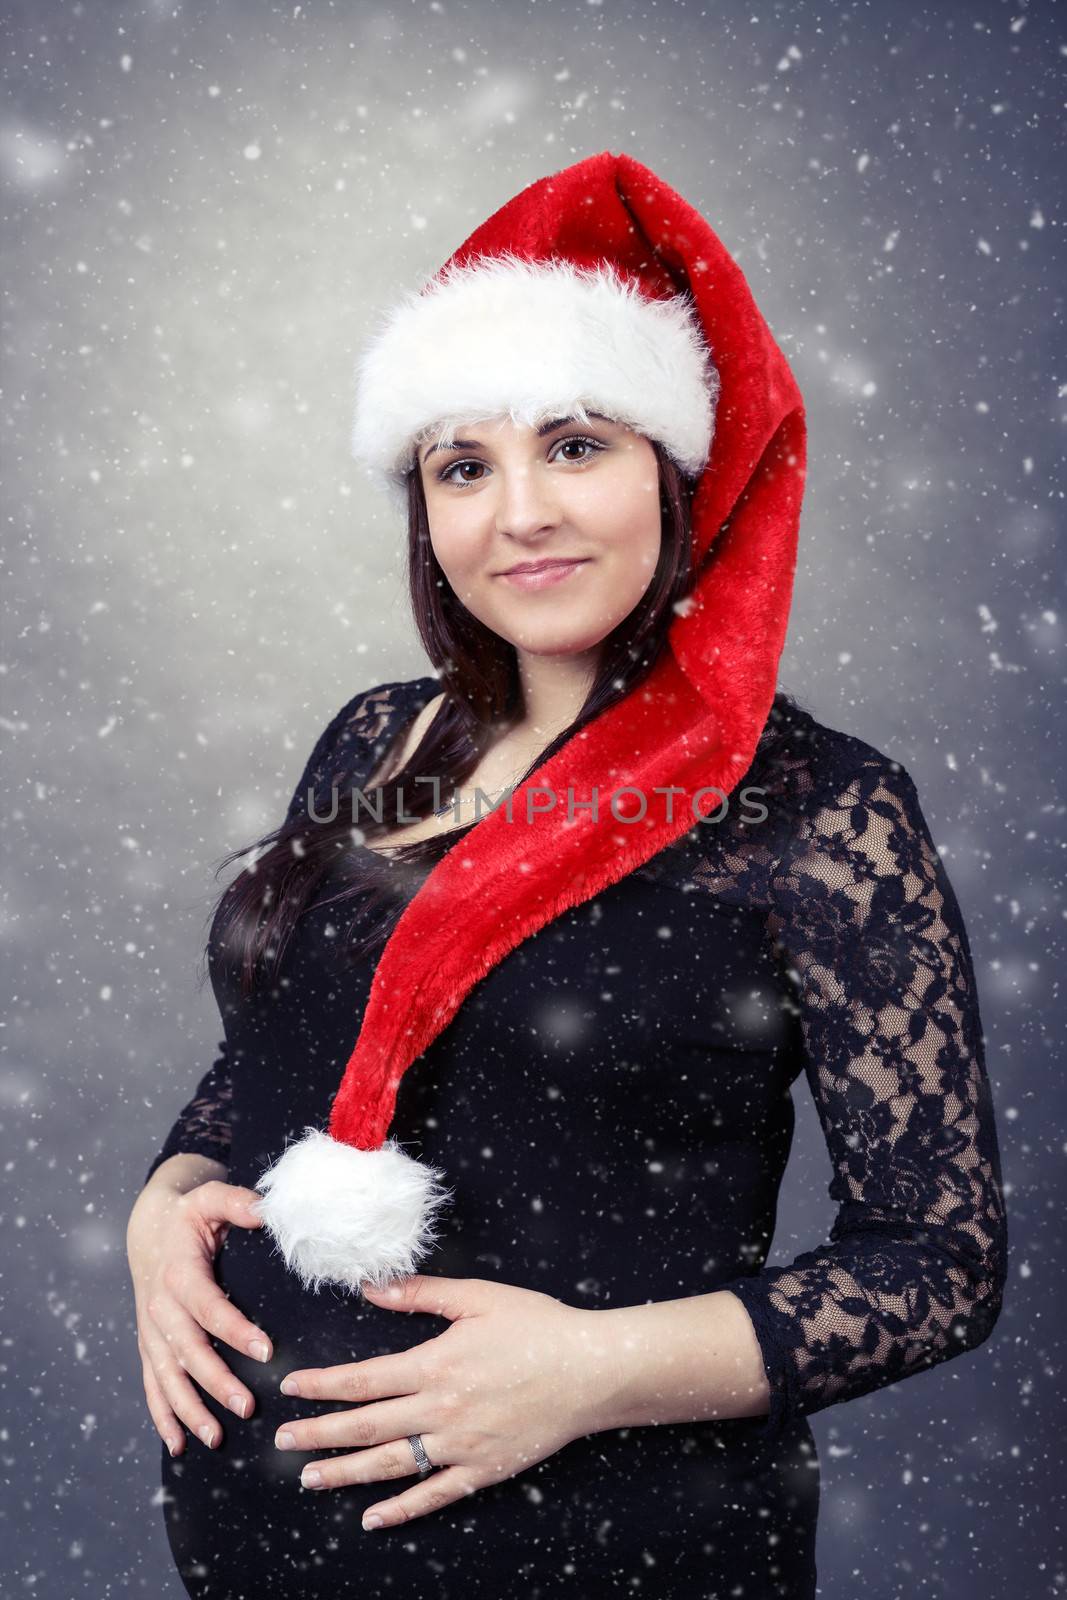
(554, 573)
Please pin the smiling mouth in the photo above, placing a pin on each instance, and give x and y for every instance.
(543, 566)
(545, 575)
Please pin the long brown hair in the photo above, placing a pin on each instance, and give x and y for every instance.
(478, 672)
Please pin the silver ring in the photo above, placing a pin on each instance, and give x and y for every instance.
(422, 1460)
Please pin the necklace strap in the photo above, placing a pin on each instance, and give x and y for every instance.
(492, 794)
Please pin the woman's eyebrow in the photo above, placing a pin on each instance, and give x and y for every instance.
(546, 427)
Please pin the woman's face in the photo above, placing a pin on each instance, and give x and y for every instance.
(508, 494)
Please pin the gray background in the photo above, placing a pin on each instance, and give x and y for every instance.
(203, 207)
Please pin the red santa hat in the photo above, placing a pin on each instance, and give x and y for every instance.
(597, 288)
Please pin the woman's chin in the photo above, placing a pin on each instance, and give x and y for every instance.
(553, 633)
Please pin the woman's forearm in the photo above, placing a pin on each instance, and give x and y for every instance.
(689, 1360)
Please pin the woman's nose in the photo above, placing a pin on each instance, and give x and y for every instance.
(526, 502)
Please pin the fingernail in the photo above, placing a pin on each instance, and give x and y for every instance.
(285, 1441)
(372, 1520)
(172, 1446)
(260, 1350)
(238, 1403)
(290, 1386)
(311, 1478)
(207, 1433)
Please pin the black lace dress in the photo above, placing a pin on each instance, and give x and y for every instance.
(612, 1105)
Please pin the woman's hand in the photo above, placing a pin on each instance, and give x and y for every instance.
(171, 1242)
(515, 1378)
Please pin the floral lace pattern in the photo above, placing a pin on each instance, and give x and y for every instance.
(869, 937)
(874, 944)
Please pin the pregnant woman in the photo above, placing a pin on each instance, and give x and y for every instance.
(454, 1264)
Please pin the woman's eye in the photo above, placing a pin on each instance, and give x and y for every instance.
(445, 474)
(592, 446)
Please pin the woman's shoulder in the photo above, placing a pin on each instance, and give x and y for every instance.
(370, 718)
(360, 732)
(809, 759)
(371, 711)
(823, 791)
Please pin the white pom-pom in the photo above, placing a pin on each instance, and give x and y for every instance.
(348, 1216)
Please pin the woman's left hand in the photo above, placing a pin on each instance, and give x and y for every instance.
(513, 1380)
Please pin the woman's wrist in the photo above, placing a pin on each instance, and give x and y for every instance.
(172, 1178)
(690, 1360)
(185, 1171)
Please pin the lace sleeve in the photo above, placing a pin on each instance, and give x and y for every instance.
(203, 1126)
(878, 959)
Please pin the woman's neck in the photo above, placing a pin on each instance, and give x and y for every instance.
(554, 689)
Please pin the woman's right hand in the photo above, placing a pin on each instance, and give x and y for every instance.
(172, 1239)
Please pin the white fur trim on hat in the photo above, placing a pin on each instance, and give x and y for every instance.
(343, 1215)
(531, 340)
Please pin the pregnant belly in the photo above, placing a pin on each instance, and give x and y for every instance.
(328, 1329)
(699, 1500)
